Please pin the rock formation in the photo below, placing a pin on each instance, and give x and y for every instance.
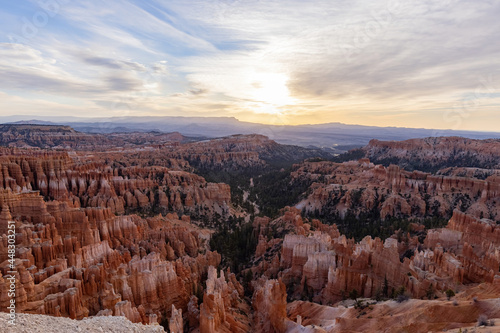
(57, 177)
(65, 137)
(269, 303)
(81, 251)
(323, 266)
(78, 262)
(436, 153)
(176, 324)
(360, 187)
(221, 308)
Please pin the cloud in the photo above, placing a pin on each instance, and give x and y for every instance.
(198, 92)
(113, 63)
(127, 23)
(366, 61)
(160, 67)
(15, 53)
(122, 83)
(25, 69)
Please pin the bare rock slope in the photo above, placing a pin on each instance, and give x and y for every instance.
(28, 323)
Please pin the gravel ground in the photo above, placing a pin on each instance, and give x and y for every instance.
(30, 323)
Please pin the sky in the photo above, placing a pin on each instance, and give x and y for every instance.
(407, 63)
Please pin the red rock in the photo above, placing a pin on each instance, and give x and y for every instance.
(176, 324)
(219, 310)
(269, 304)
(362, 188)
(436, 151)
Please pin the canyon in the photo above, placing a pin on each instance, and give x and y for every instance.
(320, 269)
(362, 187)
(138, 228)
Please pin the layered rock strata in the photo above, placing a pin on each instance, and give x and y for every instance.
(360, 187)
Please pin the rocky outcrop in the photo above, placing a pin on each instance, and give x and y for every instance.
(80, 253)
(48, 324)
(393, 317)
(360, 187)
(163, 149)
(65, 137)
(176, 324)
(269, 303)
(240, 151)
(220, 310)
(323, 266)
(432, 154)
(472, 242)
(149, 189)
(43, 136)
(77, 262)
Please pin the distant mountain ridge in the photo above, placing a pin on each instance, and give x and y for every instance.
(335, 137)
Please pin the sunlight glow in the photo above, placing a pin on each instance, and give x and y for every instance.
(270, 93)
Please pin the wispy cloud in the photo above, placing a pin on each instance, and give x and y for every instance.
(402, 63)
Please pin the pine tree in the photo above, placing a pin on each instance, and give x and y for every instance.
(385, 291)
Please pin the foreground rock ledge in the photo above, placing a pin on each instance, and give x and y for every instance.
(39, 323)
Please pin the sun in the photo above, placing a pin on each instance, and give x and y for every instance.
(270, 92)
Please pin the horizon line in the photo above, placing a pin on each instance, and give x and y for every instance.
(38, 118)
